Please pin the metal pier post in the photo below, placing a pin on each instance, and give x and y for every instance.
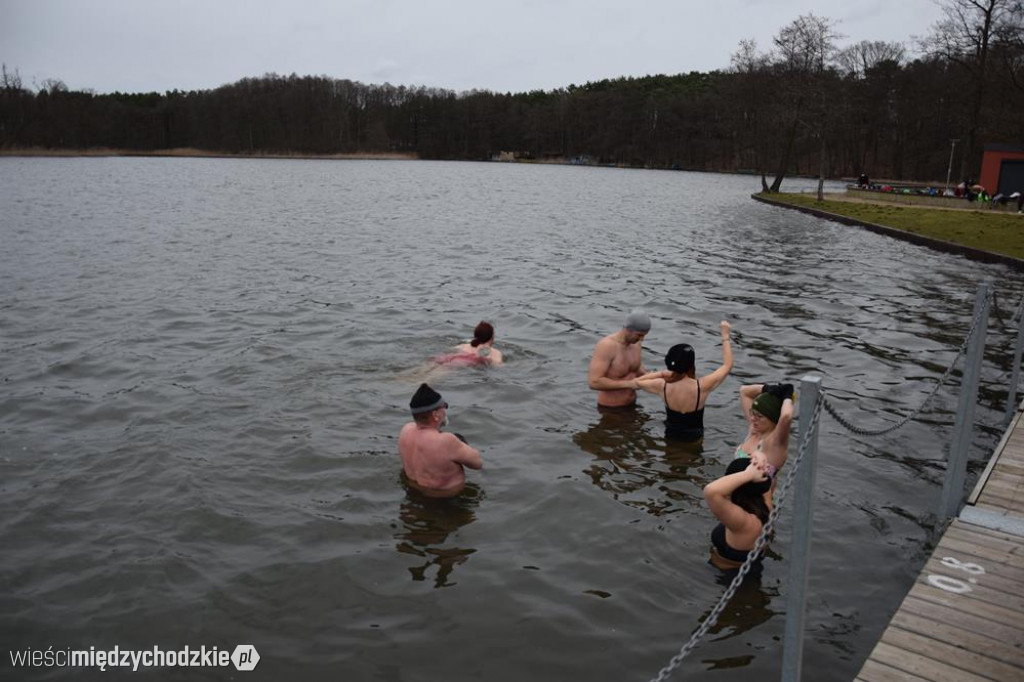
(800, 550)
(956, 467)
(1011, 394)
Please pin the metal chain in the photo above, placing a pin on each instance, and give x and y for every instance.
(752, 556)
(850, 426)
(762, 540)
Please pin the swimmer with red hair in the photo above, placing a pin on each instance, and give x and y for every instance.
(479, 352)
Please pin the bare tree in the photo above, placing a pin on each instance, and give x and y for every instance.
(751, 75)
(861, 57)
(965, 36)
(804, 51)
(9, 81)
(1010, 39)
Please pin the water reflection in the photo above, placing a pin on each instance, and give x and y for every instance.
(629, 460)
(747, 609)
(426, 524)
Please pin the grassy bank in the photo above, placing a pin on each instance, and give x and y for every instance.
(992, 231)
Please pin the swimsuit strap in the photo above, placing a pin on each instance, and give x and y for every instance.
(697, 404)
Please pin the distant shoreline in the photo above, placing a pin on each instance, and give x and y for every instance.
(186, 152)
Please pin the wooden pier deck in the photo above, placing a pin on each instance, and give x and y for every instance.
(963, 620)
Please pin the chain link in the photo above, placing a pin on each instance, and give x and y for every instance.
(850, 426)
(752, 556)
(762, 540)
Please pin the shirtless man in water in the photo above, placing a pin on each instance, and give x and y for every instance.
(616, 362)
(432, 460)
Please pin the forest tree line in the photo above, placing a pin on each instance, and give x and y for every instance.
(804, 106)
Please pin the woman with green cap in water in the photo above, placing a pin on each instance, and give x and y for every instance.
(769, 412)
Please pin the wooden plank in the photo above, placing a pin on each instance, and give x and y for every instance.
(1004, 483)
(1005, 480)
(1014, 452)
(993, 568)
(953, 656)
(950, 632)
(967, 604)
(996, 506)
(1012, 461)
(1005, 475)
(1016, 435)
(996, 498)
(1010, 466)
(984, 542)
(1006, 564)
(922, 666)
(964, 525)
(953, 545)
(966, 621)
(961, 527)
(873, 671)
(1006, 590)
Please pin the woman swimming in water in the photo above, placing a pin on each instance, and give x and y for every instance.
(480, 351)
(737, 501)
(769, 412)
(684, 394)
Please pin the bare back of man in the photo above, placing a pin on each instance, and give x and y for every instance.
(433, 461)
(614, 365)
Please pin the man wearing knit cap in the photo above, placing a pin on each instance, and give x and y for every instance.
(433, 460)
(617, 361)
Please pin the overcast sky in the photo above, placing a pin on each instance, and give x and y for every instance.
(500, 45)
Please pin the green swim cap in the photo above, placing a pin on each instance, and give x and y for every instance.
(768, 405)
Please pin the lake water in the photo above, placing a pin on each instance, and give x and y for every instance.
(205, 364)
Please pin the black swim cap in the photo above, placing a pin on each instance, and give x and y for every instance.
(680, 358)
(426, 400)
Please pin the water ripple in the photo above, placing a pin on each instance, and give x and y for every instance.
(205, 365)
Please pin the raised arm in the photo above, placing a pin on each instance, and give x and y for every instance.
(715, 379)
(781, 432)
(718, 495)
(747, 394)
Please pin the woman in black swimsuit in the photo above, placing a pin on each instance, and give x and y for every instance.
(684, 394)
(737, 501)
